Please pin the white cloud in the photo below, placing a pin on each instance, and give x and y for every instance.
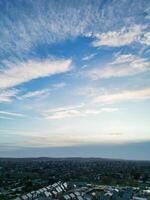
(39, 23)
(6, 118)
(58, 86)
(123, 58)
(75, 111)
(147, 17)
(25, 71)
(7, 95)
(109, 109)
(37, 93)
(11, 113)
(100, 110)
(63, 112)
(43, 92)
(127, 95)
(115, 39)
(89, 57)
(147, 12)
(146, 39)
(123, 65)
(63, 108)
(33, 139)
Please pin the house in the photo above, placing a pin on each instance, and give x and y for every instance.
(65, 185)
(62, 187)
(47, 194)
(29, 195)
(72, 195)
(54, 193)
(67, 197)
(24, 197)
(77, 193)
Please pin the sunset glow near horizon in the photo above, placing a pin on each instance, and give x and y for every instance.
(73, 75)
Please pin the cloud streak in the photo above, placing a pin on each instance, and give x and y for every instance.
(123, 96)
(41, 93)
(116, 39)
(75, 111)
(123, 65)
(6, 118)
(29, 139)
(26, 71)
(146, 39)
(7, 95)
(89, 57)
(11, 113)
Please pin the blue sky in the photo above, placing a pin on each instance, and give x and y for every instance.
(74, 78)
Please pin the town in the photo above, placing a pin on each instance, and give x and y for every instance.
(74, 178)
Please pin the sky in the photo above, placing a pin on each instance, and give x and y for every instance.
(75, 78)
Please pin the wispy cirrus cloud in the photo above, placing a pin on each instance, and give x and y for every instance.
(40, 39)
(147, 12)
(34, 94)
(81, 110)
(32, 139)
(26, 25)
(6, 118)
(121, 38)
(125, 36)
(123, 96)
(6, 115)
(7, 95)
(43, 92)
(22, 72)
(2, 112)
(63, 112)
(89, 57)
(146, 39)
(123, 65)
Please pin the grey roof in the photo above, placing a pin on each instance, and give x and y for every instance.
(54, 192)
(65, 185)
(29, 195)
(57, 189)
(60, 188)
(24, 197)
(77, 193)
(72, 195)
(79, 198)
(63, 188)
(47, 194)
(66, 197)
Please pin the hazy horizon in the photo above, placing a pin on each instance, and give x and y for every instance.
(75, 78)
